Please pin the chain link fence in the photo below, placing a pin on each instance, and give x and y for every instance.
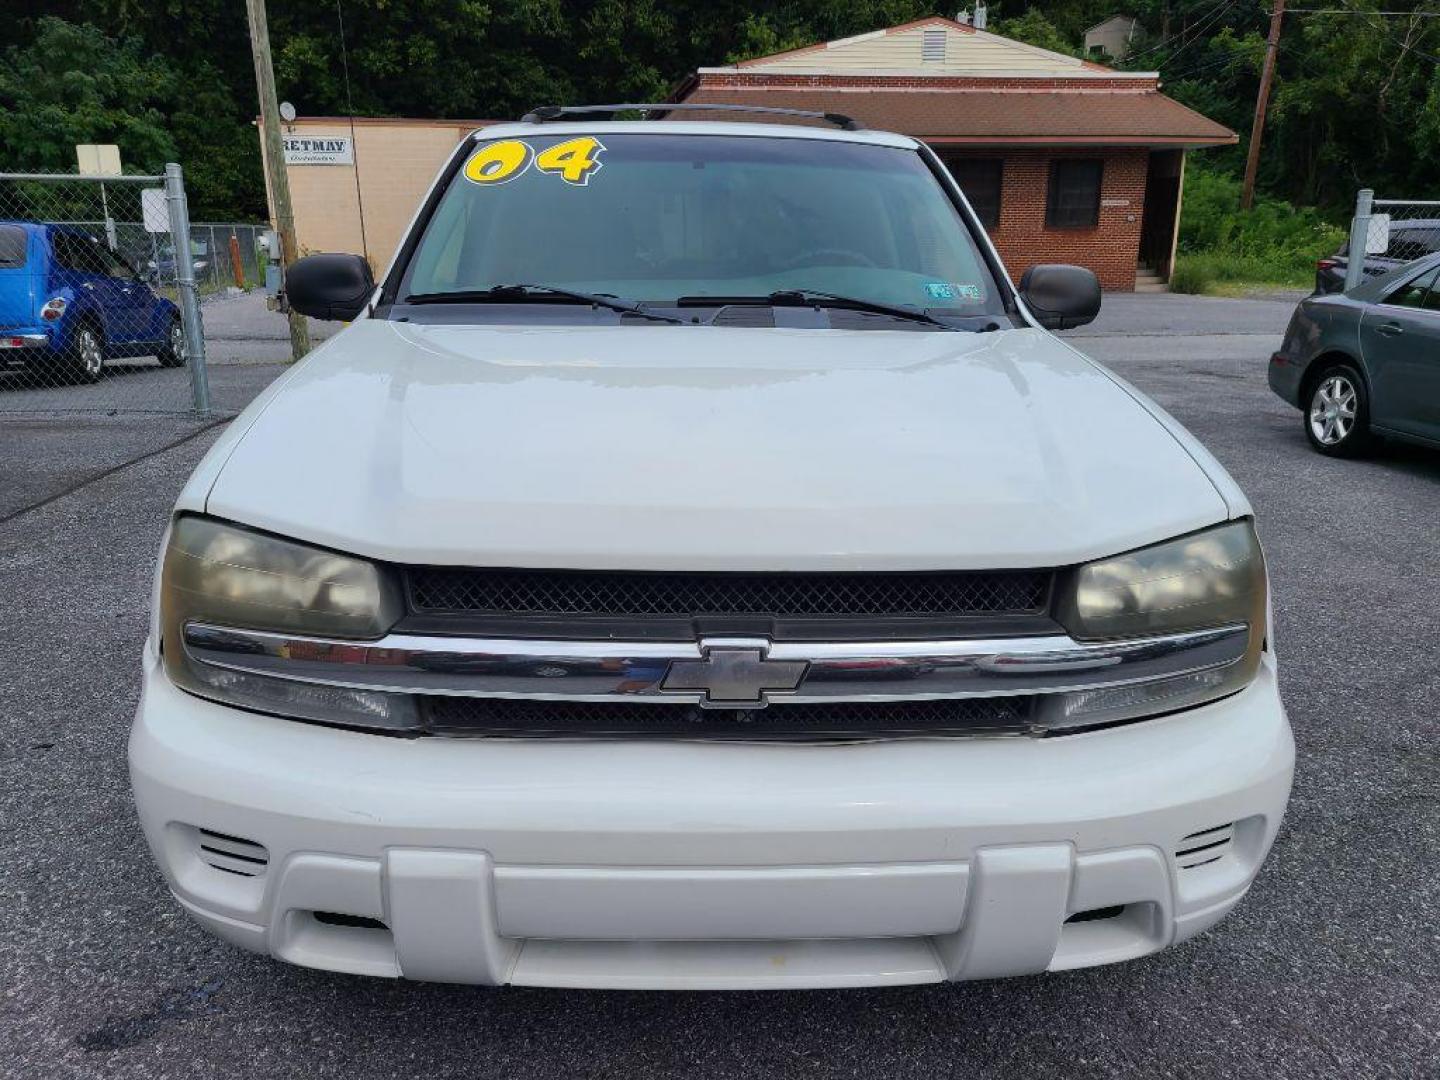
(1392, 232)
(227, 255)
(100, 284)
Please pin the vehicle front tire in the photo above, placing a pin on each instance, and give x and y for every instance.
(172, 353)
(85, 359)
(1336, 413)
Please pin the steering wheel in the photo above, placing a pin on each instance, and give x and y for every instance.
(821, 256)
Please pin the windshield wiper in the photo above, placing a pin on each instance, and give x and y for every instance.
(522, 294)
(816, 298)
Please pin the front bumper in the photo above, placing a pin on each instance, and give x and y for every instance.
(690, 865)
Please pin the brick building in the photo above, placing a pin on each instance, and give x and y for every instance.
(1064, 160)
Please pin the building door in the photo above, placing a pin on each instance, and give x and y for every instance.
(1162, 209)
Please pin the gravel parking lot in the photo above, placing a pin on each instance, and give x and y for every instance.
(1330, 968)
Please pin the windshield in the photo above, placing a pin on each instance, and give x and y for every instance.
(657, 217)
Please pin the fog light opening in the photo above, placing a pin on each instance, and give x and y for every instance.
(359, 922)
(1097, 914)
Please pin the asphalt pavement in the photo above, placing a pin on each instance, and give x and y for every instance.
(56, 437)
(1330, 968)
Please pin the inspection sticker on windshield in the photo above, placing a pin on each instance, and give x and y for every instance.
(574, 161)
(946, 290)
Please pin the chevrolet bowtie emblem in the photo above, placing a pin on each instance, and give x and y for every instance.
(732, 675)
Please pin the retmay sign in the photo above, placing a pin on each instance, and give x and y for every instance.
(318, 150)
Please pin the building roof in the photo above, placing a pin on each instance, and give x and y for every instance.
(933, 46)
(1128, 21)
(946, 82)
(994, 117)
(732, 124)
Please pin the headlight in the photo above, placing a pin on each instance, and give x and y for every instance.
(225, 576)
(1210, 579)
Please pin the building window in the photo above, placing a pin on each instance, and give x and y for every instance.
(1074, 198)
(980, 179)
(932, 46)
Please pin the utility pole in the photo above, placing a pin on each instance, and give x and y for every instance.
(275, 160)
(1262, 102)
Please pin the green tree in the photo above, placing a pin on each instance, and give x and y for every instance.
(1034, 28)
(759, 36)
(73, 84)
(1356, 101)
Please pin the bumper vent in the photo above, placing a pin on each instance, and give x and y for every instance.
(442, 590)
(519, 718)
(1204, 847)
(233, 854)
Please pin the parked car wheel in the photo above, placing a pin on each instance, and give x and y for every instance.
(172, 353)
(86, 362)
(1337, 413)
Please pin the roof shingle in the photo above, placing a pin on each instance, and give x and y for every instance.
(994, 117)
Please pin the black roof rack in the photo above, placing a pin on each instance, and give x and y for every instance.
(556, 112)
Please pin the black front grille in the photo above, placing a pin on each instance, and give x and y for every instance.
(614, 594)
(497, 717)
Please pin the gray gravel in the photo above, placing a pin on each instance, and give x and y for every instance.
(53, 438)
(1330, 968)
(246, 347)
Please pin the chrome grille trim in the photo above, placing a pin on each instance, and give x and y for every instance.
(601, 671)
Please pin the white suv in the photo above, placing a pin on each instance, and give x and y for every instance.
(696, 566)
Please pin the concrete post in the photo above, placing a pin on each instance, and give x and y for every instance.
(185, 281)
(1359, 237)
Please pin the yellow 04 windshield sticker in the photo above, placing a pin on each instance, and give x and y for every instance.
(574, 161)
(498, 162)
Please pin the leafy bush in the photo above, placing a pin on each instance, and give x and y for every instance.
(1272, 243)
(1201, 272)
(1191, 275)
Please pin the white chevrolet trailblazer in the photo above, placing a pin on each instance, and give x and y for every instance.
(697, 566)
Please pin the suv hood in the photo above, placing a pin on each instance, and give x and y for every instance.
(652, 447)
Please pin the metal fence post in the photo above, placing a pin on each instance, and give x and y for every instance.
(1359, 239)
(185, 280)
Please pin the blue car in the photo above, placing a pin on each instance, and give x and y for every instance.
(68, 303)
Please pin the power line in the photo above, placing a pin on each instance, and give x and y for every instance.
(1204, 65)
(1199, 31)
(354, 142)
(1189, 33)
(1404, 47)
(1351, 11)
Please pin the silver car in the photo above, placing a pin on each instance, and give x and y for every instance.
(1366, 363)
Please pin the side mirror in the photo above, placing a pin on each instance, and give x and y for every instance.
(1061, 296)
(329, 286)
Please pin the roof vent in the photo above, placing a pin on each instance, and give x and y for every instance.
(932, 46)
